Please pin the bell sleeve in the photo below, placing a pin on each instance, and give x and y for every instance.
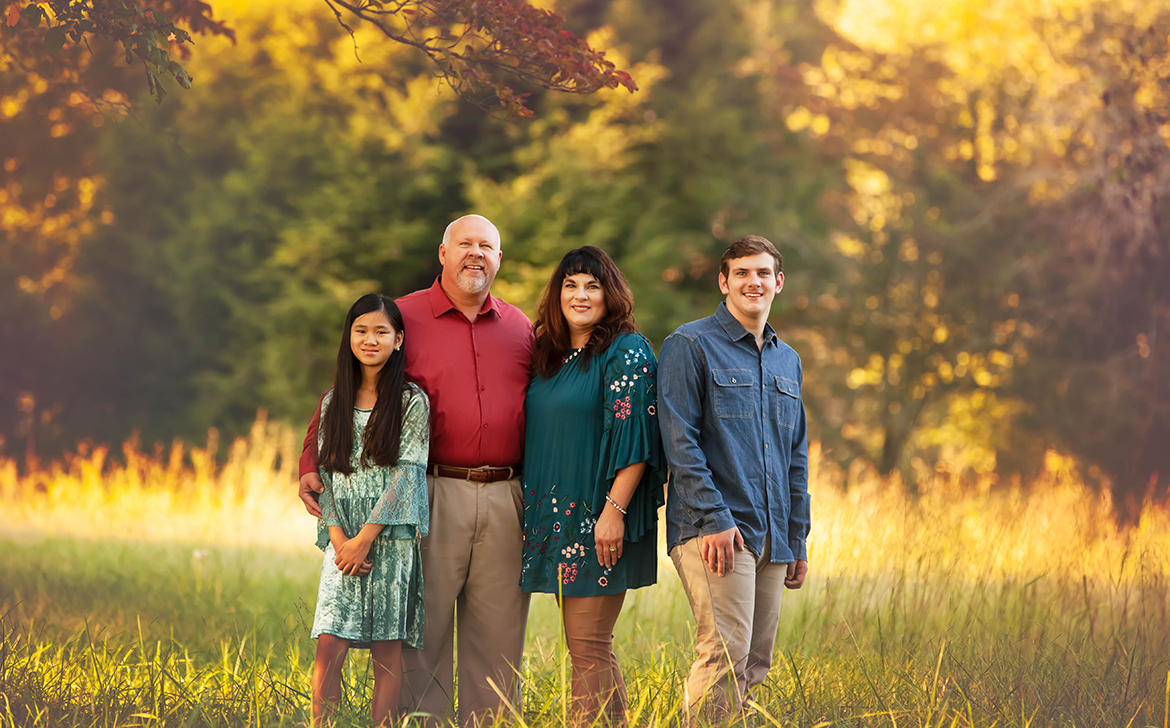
(404, 496)
(630, 435)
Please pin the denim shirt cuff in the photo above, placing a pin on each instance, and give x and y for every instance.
(799, 550)
(716, 522)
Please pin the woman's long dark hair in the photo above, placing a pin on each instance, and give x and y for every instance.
(553, 342)
(384, 429)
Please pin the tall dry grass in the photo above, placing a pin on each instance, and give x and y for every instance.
(159, 588)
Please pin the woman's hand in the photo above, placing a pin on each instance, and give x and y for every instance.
(608, 535)
(351, 556)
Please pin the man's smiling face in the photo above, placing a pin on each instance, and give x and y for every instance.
(471, 255)
(750, 285)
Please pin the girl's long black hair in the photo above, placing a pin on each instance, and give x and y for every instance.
(384, 429)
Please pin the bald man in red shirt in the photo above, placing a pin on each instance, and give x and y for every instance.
(471, 353)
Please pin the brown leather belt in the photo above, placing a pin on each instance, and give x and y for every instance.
(483, 474)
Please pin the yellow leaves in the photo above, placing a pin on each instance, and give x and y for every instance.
(10, 106)
(801, 119)
(58, 222)
(1043, 64)
(908, 251)
(872, 201)
(946, 372)
(869, 375)
(848, 245)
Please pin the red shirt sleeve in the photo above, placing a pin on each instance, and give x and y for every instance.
(309, 449)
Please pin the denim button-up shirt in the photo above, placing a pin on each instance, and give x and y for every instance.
(734, 430)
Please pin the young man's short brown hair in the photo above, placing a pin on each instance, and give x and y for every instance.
(747, 246)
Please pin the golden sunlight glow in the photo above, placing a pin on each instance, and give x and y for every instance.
(863, 525)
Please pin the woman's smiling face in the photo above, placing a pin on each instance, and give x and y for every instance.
(582, 302)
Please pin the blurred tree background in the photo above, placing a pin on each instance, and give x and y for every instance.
(971, 196)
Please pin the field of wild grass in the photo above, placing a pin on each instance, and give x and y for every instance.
(161, 589)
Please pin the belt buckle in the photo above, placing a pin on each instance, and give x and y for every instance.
(486, 470)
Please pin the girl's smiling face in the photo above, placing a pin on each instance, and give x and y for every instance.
(372, 339)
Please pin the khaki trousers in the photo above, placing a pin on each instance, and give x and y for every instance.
(736, 615)
(599, 693)
(471, 572)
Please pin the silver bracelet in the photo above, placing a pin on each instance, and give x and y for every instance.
(613, 503)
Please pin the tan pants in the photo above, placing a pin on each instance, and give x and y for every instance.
(471, 572)
(736, 615)
(599, 693)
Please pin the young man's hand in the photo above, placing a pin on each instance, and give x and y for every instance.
(796, 572)
(719, 550)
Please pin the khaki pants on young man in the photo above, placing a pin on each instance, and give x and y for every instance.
(736, 615)
(471, 569)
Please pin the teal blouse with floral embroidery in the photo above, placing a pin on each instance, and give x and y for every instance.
(582, 426)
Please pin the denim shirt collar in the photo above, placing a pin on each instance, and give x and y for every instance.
(735, 330)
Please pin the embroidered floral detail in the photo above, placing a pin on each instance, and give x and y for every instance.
(602, 581)
(567, 571)
(557, 527)
(621, 408)
(651, 410)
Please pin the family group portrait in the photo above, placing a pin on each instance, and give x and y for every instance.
(584, 363)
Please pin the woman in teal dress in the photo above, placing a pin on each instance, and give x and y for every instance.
(373, 443)
(593, 469)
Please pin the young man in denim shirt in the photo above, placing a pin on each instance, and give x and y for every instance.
(737, 506)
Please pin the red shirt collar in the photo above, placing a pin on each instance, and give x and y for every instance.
(441, 303)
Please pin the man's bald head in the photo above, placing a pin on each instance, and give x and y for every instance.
(470, 255)
(458, 222)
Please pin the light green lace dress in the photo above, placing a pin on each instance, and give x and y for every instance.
(387, 603)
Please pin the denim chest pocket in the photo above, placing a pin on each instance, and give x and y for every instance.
(734, 392)
(787, 402)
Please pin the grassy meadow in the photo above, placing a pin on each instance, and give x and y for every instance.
(158, 588)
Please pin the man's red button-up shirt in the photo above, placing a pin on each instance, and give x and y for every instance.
(476, 375)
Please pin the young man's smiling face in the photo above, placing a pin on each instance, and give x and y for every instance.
(750, 285)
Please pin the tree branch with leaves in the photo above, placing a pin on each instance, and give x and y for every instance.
(481, 47)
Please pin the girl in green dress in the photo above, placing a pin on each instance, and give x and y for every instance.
(373, 443)
(593, 469)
